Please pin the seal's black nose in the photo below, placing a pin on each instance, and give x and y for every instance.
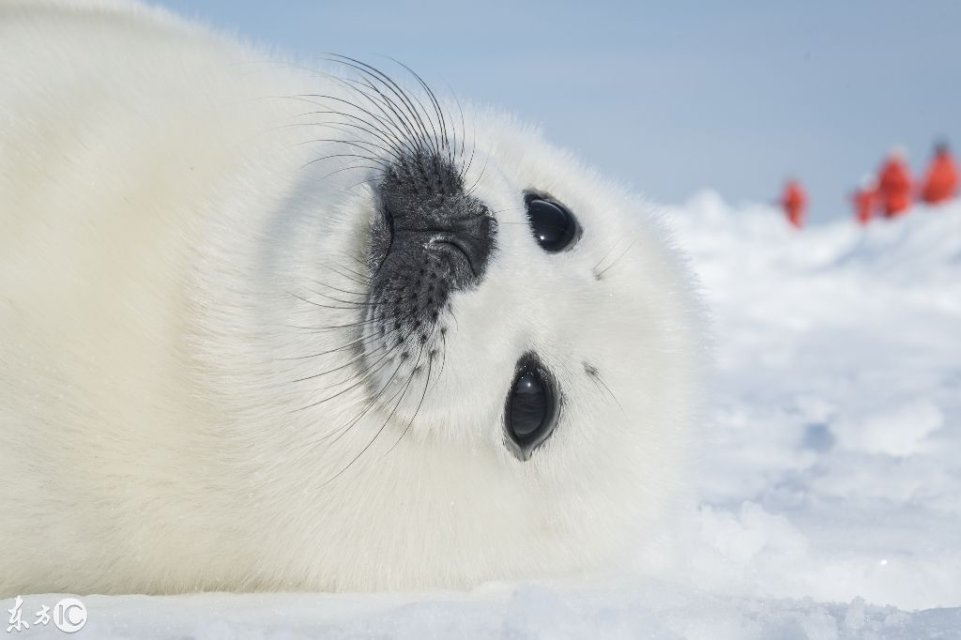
(468, 239)
(429, 217)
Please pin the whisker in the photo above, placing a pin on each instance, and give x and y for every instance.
(362, 380)
(420, 403)
(599, 274)
(393, 411)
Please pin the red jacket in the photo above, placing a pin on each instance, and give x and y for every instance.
(864, 202)
(894, 187)
(941, 180)
(794, 202)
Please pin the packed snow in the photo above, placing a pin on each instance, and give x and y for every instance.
(828, 498)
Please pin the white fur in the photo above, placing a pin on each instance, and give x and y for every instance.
(161, 228)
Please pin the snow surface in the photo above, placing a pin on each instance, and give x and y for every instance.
(829, 492)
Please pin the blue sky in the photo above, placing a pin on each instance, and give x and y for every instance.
(668, 97)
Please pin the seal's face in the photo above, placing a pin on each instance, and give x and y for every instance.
(521, 358)
(431, 240)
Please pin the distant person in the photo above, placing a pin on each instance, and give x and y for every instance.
(865, 200)
(894, 185)
(794, 203)
(941, 181)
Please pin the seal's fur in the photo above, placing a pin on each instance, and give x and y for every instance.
(188, 391)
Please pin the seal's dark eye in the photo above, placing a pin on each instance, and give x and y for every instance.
(555, 227)
(531, 407)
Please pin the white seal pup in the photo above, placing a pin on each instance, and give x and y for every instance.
(264, 328)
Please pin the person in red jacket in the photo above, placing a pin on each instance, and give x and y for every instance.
(864, 200)
(941, 181)
(894, 185)
(794, 203)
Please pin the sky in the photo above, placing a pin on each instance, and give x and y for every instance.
(668, 98)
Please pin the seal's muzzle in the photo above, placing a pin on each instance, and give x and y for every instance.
(432, 238)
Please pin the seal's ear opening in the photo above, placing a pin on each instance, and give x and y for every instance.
(531, 410)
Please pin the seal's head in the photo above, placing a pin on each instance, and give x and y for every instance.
(499, 359)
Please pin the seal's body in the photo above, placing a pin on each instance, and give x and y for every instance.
(270, 329)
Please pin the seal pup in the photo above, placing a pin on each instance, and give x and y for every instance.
(270, 329)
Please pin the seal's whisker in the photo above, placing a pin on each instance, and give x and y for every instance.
(321, 374)
(372, 402)
(364, 146)
(333, 156)
(393, 411)
(607, 254)
(350, 168)
(463, 136)
(480, 175)
(345, 305)
(473, 148)
(598, 380)
(598, 274)
(338, 433)
(420, 404)
(352, 275)
(390, 135)
(433, 144)
(442, 124)
(350, 345)
(405, 140)
(381, 155)
(372, 338)
(335, 327)
(337, 125)
(451, 141)
(411, 138)
(377, 98)
(388, 147)
(397, 320)
(420, 135)
(349, 305)
(470, 160)
(389, 129)
(383, 355)
(350, 325)
(387, 122)
(405, 97)
(443, 353)
(375, 75)
(358, 294)
(350, 278)
(391, 145)
(359, 260)
(361, 380)
(364, 264)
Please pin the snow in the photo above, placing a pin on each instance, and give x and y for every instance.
(832, 466)
(828, 499)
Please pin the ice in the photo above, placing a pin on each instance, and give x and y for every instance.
(827, 503)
